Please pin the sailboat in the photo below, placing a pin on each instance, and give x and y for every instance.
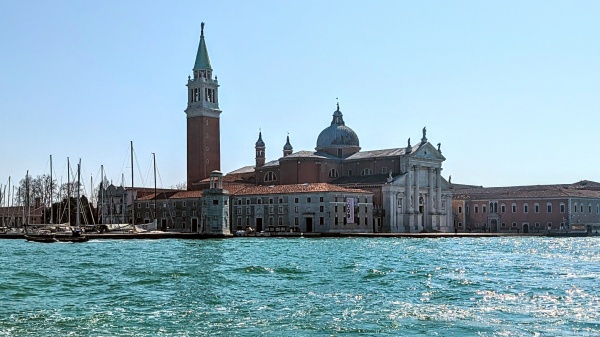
(75, 235)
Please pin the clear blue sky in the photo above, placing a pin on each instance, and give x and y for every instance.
(510, 88)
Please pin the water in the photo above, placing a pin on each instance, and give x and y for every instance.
(302, 287)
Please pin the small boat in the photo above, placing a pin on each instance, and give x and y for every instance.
(41, 238)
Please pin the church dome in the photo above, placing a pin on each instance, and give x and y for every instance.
(337, 135)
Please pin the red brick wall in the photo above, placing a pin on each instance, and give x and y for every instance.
(197, 143)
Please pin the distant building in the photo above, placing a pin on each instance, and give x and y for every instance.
(527, 209)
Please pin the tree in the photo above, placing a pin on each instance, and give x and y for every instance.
(180, 186)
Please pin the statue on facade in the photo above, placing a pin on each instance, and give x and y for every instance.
(439, 147)
(424, 139)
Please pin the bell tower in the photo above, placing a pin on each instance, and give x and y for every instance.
(203, 131)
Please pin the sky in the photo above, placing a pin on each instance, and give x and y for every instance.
(511, 89)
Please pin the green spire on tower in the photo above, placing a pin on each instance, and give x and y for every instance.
(202, 60)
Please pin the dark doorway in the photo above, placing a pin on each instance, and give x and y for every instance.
(309, 225)
(194, 225)
(494, 225)
(163, 225)
(259, 225)
(526, 228)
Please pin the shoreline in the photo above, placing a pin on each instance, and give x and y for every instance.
(197, 236)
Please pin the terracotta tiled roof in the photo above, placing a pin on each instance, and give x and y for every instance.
(297, 188)
(187, 195)
(581, 189)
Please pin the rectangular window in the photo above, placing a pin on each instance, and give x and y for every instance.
(503, 208)
(270, 209)
(514, 208)
(280, 200)
(239, 210)
(562, 208)
(467, 209)
(321, 208)
(270, 201)
(590, 209)
(194, 203)
(483, 209)
(308, 199)
(514, 224)
(476, 209)
(503, 224)
(247, 210)
(280, 221)
(384, 170)
(349, 173)
(184, 204)
(459, 207)
(194, 213)
(164, 204)
(536, 208)
(525, 208)
(259, 201)
(296, 209)
(183, 213)
(295, 200)
(295, 221)
(280, 209)
(320, 199)
(549, 208)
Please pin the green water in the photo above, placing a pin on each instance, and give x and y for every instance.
(302, 287)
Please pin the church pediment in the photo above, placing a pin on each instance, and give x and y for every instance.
(428, 152)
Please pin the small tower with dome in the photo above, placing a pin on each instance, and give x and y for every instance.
(215, 207)
(260, 150)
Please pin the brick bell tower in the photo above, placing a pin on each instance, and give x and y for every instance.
(203, 135)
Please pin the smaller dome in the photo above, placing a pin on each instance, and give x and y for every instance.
(259, 142)
(287, 145)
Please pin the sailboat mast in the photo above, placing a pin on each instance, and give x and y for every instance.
(78, 200)
(132, 204)
(155, 209)
(124, 200)
(27, 196)
(69, 189)
(102, 192)
(51, 192)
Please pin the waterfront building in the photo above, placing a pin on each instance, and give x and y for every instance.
(307, 208)
(528, 209)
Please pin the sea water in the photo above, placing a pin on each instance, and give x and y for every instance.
(517, 286)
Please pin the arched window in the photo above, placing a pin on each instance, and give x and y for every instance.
(270, 176)
(366, 172)
(333, 173)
